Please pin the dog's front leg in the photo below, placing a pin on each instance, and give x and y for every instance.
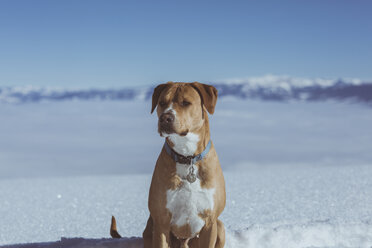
(147, 234)
(160, 238)
(208, 236)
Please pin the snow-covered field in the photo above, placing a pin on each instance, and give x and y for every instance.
(298, 174)
(270, 206)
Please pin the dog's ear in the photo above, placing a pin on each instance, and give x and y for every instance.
(208, 95)
(156, 94)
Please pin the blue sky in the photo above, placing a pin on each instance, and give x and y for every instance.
(120, 43)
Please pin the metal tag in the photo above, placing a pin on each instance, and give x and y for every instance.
(191, 177)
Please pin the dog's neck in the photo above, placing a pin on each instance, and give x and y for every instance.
(192, 143)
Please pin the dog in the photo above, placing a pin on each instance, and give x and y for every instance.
(187, 192)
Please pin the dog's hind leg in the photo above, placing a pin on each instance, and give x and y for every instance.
(113, 231)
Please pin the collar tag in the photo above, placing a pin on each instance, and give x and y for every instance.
(191, 177)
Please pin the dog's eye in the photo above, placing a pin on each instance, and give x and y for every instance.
(185, 103)
(162, 103)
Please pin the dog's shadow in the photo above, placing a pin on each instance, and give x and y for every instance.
(133, 242)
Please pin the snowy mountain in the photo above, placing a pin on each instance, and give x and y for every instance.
(271, 88)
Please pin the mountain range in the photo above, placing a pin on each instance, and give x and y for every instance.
(267, 88)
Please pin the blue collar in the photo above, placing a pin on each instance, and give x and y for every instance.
(187, 159)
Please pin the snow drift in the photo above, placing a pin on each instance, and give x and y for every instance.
(313, 235)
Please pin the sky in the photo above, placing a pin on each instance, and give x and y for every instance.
(110, 43)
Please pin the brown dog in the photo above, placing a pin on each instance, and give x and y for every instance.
(187, 192)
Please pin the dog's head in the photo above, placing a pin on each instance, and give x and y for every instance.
(181, 106)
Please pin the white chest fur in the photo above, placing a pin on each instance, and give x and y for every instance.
(185, 145)
(188, 201)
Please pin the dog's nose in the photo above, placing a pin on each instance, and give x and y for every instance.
(166, 118)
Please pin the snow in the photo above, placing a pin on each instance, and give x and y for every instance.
(298, 174)
(285, 82)
(133, 242)
(320, 206)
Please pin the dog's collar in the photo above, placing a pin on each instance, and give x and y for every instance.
(187, 159)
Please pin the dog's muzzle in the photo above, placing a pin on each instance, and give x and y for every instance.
(166, 121)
